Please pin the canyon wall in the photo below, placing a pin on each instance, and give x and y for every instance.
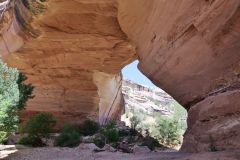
(149, 100)
(63, 46)
(190, 49)
(71, 49)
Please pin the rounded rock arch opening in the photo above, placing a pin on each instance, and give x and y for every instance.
(148, 107)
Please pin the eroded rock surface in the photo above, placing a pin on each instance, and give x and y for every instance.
(146, 99)
(62, 46)
(191, 49)
(188, 48)
(214, 124)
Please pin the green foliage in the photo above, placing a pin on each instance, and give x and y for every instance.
(99, 140)
(110, 132)
(31, 140)
(69, 137)
(89, 128)
(169, 131)
(3, 136)
(37, 127)
(13, 96)
(25, 91)
(136, 119)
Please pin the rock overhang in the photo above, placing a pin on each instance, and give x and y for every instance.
(188, 48)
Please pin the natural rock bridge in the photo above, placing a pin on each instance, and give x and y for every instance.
(73, 51)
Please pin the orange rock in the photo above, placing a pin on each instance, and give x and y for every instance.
(73, 51)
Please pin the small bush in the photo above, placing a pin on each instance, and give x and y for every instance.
(169, 130)
(37, 127)
(110, 132)
(89, 128)
(99, 141)
(31, 140)
(69, 137)
(3, 137)
(135, 121)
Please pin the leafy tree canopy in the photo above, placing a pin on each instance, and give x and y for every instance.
(13, 97)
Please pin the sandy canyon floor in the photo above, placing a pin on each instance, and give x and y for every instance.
(54, 153)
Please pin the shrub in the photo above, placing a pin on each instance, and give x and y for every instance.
(110, 132)
(69, 137)
(31, 140)
(89, 128)
(136, 119)
(13, 97)
(169, 130)
(3, 136)
(37, 127)
(99, 140)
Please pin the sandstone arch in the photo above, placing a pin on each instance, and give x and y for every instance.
(69, 50)
(191, 50)
(188, 48)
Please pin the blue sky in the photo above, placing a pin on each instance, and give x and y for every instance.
(131, 72)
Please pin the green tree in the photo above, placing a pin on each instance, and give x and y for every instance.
(169, 130)
(13, 97)
(110, 132)
(137, 119)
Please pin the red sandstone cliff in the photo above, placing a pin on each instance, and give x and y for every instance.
(71, 49)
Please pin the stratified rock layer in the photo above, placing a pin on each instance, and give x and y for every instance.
(191, 50)
(71, 49)
(149, 100)
(214, 124)
(61, 46)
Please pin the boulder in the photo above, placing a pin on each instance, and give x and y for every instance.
(140, 149)
(214, 124)
(88, 139)
(88, 146)
(124, 147)
(109, 148)
(13, 139)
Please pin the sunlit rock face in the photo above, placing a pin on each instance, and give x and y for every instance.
(191, 50)
(61, 46)
(71, 49)
(149, 100)
(214, 124)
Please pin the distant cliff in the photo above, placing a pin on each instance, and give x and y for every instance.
(146, 99)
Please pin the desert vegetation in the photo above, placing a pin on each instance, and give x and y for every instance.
(68, 137)
(13, 97)
(167, 129)
(37, 128)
